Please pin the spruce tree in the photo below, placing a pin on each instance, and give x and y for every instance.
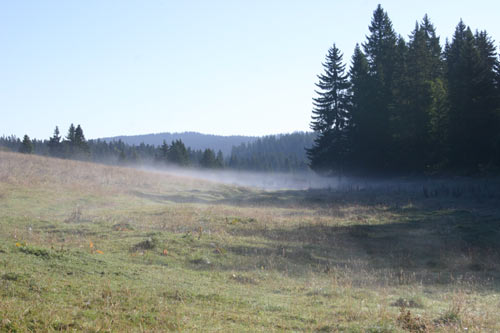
(424, 69)
(359, 124)
(381, 53)
(208, 159)
(178, 154)
(80, 144)
(71, 133)
(471, 62)
(219, 161)
(164, 152)
(69, 142)
(55, 143)
(26, 145)
(330, 115)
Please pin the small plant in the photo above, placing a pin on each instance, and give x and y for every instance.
(10, 276)
(75, 216)
(411, 323)
(147, 244)
(408, 303)
(451, 316)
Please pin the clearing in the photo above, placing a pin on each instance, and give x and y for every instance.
(86, 247)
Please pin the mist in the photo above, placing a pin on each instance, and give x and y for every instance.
(259, 180)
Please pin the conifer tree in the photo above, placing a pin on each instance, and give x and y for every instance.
(208, 160)
(80, 144)
(26, 145)
(219, 161)
(470, 74)
(55, 143)
(178, 154)
(71, 133)
(381, 53)
(164, 152)
(330, 114)
(424, 68)
(359, 125)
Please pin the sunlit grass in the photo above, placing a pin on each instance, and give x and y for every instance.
(95, 248)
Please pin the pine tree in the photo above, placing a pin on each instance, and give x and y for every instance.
(26, 145)
(80, 144)
(55, 144)
(69, 142)
(359, 124)
(164, 152)
(486, 99)
(471, 62)
(71, 133)
(381, 53)
(330, 115)
(424, 69)
(208, 159)
(219, 161)
(178, 154)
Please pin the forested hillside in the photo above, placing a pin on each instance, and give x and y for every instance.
(274, 153)
(283, 153)
(193, 140)
(409, 106)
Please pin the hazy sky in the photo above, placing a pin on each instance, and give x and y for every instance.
(220, 67)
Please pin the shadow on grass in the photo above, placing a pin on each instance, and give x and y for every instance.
(436, 235)
(442, 248)
(467, 194)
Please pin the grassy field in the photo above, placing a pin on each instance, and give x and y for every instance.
(93, 248)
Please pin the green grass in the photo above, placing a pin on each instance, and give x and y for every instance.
(92, 248)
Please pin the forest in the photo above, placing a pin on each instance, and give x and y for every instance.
(272, 153)
(409, 107)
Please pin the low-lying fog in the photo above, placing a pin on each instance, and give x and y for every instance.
(311, 180)
(262, 180)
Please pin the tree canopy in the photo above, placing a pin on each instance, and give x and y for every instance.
(409, 106)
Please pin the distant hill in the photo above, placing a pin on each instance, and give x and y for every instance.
(193, 140)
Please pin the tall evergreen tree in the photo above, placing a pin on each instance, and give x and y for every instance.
(330, 114)
(55, 143)
(178, 154)
(471, 80)
(381, 52)
(219, 161)
(163, 152)
(359, 125)
(80, 144)
(208, 159)
(424, 68)
(71, 133)
(26, 145)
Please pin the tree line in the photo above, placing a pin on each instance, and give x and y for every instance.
(281, 153)
(75, 146)
(274, 153)
(409, 107)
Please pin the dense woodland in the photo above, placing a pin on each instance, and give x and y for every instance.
(280, 153)
(409, 106)
(284, 153)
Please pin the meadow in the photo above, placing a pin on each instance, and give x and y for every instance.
(95, 248)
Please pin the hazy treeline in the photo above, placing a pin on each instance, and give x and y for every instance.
(280, 153)
(194, 140)
(409, 106)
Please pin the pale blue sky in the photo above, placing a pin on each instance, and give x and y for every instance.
(220, 67)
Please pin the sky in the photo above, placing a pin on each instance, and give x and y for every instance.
(218, 67)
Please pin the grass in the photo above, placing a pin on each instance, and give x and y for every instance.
(93, 248)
